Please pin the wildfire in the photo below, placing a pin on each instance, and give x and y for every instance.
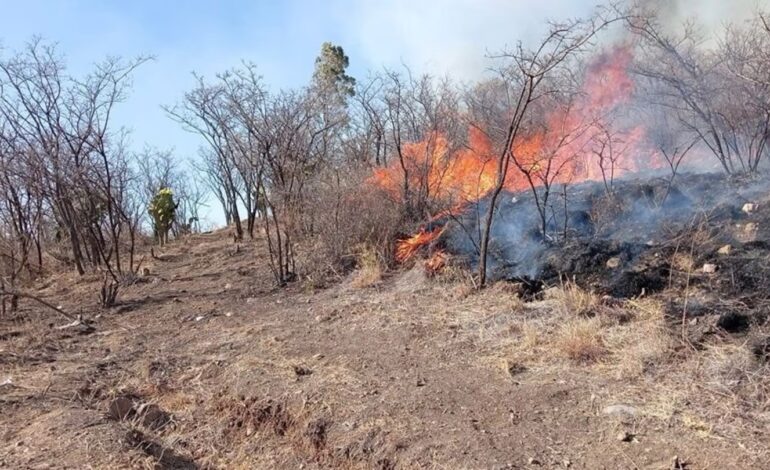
(408, 247)
(436, 262)
(560, 150)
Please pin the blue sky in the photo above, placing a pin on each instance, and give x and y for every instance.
(281, 37)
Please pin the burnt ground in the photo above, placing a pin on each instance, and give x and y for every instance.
(409, 373)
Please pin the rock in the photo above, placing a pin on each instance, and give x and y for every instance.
(567, 463)
(533, 461)
(620, 410)
(421, 382)
(749, 207)
(251, 300)
(152, 416)
(228, 286)
(613, 262)
(512, 367)
(725, 250)
(733, 322)
(7, 382)
(199, 318)
(709, 268)
(228, 314)
(120, 408)
(746, 233)
(302, 370)
(625, 436)
(145, 272)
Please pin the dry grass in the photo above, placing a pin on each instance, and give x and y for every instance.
(734, 370)
(580, 340)
(683, 262)
(643, 343)
(573, 301)
(369, 271)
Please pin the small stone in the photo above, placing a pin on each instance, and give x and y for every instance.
(302, 370)
(709, 268)
(567, 463)
(228, 286)
(725, 250)
(749, 207)
(620, 410)
(152, 416)
(120, 408)
(513, 368)
(625, 436)
(613, 262)
(228, 314)
(421, 382)
(318, 357)
(199, 318)
(251, 300)
(533, 461)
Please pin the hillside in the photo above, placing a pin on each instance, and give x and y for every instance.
(204, 365)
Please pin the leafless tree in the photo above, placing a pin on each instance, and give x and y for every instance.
(205, 111)
(58, 130)
(526, 71)
(710, 90)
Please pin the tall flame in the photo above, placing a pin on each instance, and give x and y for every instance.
(562, 149)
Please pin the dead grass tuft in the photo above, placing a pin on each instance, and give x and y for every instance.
(369, 271)
(644, 342)
(580, 340)
(573, 301)
(734, 369)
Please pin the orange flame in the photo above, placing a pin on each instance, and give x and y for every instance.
(436, 262)
(560, 150)
(408, 247)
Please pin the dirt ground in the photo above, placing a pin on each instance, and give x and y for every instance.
(408, 373)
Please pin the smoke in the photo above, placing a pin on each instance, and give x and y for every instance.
(446, 36)
(643, 213)
(709, 16)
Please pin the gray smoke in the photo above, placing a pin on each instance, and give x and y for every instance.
(642, 213)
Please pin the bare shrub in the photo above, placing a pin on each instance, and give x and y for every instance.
(345, 214)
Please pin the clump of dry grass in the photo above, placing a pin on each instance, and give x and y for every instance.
(642, 343)
(733, 369)
(573, 301)
(683, 262)
(369, 271)
(580, 340)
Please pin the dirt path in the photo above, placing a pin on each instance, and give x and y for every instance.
(405, 375)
